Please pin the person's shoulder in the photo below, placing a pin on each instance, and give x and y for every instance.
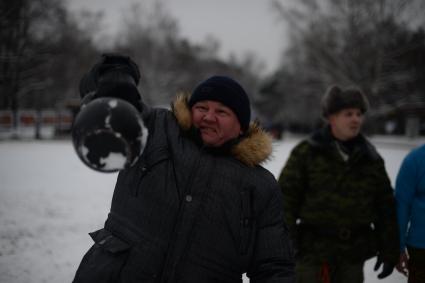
(370, 149)
(257, 175)
(263, 180)
(303, 144)
(302, 147)
(263, 172)
(153, 116)
(160, 123)
(161, 114)
(418, 151)
(416, 155)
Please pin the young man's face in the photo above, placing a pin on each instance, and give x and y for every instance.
(346, 124)
(216, 122)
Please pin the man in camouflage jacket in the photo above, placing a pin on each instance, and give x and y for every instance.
(338, 199)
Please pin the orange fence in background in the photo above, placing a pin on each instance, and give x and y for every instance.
(31, 123)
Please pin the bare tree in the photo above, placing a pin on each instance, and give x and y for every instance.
(365, 43)
(34, 38)
(170, 63)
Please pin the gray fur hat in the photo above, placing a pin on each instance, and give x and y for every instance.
(337, 99)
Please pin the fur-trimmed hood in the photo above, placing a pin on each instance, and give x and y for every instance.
(254, 148)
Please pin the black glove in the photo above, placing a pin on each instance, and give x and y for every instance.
(387, 268)
(114, 76)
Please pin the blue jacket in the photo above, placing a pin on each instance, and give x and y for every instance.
(410, 197)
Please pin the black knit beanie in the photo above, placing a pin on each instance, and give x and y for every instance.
(337, 99)
(227, 91)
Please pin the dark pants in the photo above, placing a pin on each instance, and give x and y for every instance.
(416, 265)
(336, 272)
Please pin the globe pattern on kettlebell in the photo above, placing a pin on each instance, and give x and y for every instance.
(108, 134)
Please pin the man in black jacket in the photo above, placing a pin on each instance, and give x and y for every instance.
(197, 206)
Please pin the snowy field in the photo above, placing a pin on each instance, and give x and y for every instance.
(49, 201)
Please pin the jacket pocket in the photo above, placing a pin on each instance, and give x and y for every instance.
(144, 264)
(104, 260)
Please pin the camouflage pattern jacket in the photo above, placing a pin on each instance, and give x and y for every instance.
(336, 209)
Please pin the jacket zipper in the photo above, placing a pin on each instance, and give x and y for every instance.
(168, 266)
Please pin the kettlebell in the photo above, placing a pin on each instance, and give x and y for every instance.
(108, 134)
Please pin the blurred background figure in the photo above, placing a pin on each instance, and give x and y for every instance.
(410, 197)
(338, 199)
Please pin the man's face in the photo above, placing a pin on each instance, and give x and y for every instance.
(216, 122)
(346, 124)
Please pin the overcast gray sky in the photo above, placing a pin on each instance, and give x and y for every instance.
(241, 25)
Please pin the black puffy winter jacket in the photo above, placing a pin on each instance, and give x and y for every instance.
(187, 213)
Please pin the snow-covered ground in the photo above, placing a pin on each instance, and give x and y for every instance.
(49, 201)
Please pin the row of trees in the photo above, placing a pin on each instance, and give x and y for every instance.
(378, 45)
(42, 51)
(170, 63)
(45, 50)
